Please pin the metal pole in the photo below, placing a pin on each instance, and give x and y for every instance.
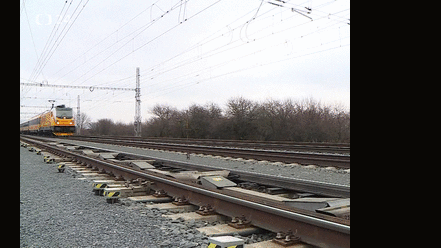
(137, 106)
(77, 121)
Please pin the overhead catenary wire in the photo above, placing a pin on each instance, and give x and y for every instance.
(55, 44)
(203, 52)
(143, 45)
(143, 28)
(134, 50)
(101, 41)
(196, 46)
(195, 82)
(208, 55)
(165, 69)
(218, 50)
(49, 40)
(91, 88)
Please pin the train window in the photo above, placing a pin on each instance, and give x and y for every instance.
(64, 112)
(35, 121)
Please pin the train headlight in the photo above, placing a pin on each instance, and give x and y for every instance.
(70, 123)
(58, 122)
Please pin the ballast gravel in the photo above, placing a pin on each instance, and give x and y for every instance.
(304, 172)
(60, 210)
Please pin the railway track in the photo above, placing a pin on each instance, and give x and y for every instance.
(339, 148)
(310, 227)
(321, 159)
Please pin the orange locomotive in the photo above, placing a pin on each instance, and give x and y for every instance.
(57, 121)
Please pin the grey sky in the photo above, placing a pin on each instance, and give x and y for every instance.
(194, 51)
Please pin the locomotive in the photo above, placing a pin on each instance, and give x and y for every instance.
(57, 121)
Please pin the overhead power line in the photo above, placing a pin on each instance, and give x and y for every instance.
(29, 113)
(26, 106)
(91, 88)
(45, 57)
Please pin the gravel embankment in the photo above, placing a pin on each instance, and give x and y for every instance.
(279, 169)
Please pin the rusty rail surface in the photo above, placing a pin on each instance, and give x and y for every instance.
(340, 161)
(342, 148)
(312, 228)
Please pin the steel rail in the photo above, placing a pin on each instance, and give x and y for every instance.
(296, 184)
(270, 155)
(272, 145)
(322, 232)
(302, 185)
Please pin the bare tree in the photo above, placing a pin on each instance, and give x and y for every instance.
(83, 122)
(167, 123)
(198, 122)
(102, 127)
(242, 113)
(306, 120)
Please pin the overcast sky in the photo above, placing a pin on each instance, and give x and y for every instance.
(194, 51)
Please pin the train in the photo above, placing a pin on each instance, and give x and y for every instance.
(57, 121)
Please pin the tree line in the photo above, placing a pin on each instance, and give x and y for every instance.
(241, 119)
